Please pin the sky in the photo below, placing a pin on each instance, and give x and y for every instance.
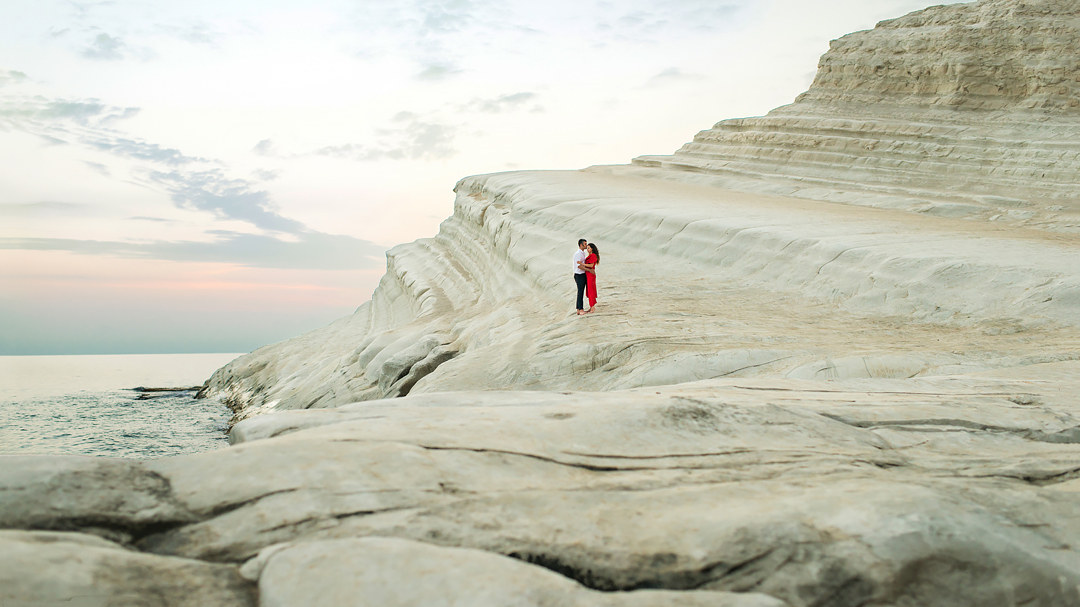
(215, 176)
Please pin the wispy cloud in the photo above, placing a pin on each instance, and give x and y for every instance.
(98, 168)
(83, 9)
(411, 138)
(212, 190)
(266, 175)
(46, 208)
(437, 71)
(430, 33)
(10, 77)
(198, 33)
(447, 16)
(648, 22)
(191, 182)
(502, 103)
(37, 112)
(139, 150)
(265, 148)
(672, 75)
(309, 251)
(105, 47)
(116, 31)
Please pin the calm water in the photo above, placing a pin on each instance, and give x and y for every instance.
(88, 405)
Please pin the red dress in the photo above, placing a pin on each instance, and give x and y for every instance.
(590, 281)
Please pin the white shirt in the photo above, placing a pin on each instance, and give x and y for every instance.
(579, 257)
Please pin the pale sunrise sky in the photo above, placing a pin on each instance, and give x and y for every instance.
(214, 176)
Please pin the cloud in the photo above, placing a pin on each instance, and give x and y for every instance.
(139, 150)
(49, 139)
(81, 112)
(193, 33)
(265, 148)
(310, 251)
(649, 25)
(38, 114)
(104, 47)
(115, 31)
(672, 75)
(437, 71)
(211, 190)
(446, 17)
(98, 168)
(416, 139)
(49, 208)
(266, 175)
(410, 136)
(11, 77)
(191, 182)
(82, 9)
(503, 103)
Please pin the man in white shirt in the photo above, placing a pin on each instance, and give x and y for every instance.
(579, 273)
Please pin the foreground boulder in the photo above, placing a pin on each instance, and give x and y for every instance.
(959, 490)
(336, 572)
(50, 568)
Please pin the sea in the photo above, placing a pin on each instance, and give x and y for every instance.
(129, 405)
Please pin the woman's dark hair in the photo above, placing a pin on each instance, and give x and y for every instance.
(595, 251)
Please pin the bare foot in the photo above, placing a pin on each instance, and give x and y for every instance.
(580, 312)
(589, 311)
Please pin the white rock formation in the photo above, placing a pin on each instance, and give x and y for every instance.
(49, 568)
(836, 362)
(696, 283)
(966, 110)
(312, 573)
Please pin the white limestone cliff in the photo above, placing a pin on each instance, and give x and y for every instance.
(835, 362)
(967, 110)
(956, 112)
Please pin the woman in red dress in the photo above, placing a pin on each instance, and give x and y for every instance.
(590, 275)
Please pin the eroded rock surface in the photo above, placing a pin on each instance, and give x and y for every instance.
(51, 568)
(307, 573)
(959, 490)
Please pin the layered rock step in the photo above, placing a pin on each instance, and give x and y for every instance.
(696, 282)
(964, 110)
(955, 170)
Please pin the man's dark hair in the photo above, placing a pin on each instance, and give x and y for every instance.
(581, 240)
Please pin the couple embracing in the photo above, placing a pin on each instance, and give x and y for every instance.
(585, 260)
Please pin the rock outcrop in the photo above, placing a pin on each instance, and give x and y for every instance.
(967, 110)
(836, 362)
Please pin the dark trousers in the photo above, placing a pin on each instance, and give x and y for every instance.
(580, 280)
